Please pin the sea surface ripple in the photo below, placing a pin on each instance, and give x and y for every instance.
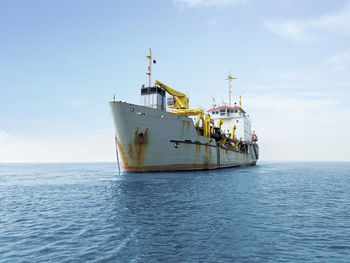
(87, 212)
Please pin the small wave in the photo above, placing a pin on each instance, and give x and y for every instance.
(339, 247)
(126, 240)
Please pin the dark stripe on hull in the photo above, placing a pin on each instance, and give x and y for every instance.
(180, 167)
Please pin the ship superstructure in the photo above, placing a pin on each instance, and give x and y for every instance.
(151, 138)
(233, 116)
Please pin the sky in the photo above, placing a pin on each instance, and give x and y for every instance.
(61, 62)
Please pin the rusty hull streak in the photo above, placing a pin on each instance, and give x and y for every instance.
(185, 127)
(130, 151)
(207, 158)
(140, 137)
(204, 163)
(124, 160)
(198, 149)
(245, 156)
(137, 149)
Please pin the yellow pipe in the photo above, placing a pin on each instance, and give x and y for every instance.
(233, 131)
(183, 112)
(233, 134)
(219, 123)
(207, 126)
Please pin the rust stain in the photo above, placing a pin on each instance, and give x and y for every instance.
(130, 151)
(137, 148)
(182, 128)
(245, 156)
(198, 149)
(124, 159)
(207, 157)
(197, 153)
(141, 137)
(185, 128)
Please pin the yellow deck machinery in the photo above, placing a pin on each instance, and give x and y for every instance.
(180, 105)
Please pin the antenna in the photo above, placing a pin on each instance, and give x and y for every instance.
(240, 101)
(229, 78)
(214, 104)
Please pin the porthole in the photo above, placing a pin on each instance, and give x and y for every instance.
(132, 109)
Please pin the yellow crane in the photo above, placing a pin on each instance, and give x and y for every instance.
(181, 106)
(181, 101)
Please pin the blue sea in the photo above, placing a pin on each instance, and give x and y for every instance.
(87, 212)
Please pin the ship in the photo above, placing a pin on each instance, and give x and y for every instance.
(164, 134)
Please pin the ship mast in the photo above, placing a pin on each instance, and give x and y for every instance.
(149, 73)
(229, 78)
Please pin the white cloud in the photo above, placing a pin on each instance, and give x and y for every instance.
(339, 62)
(305, 30)
(209, 3)
(4, 135)
(327, 77)
(294, 30)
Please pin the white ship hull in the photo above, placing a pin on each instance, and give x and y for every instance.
(154, 140)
